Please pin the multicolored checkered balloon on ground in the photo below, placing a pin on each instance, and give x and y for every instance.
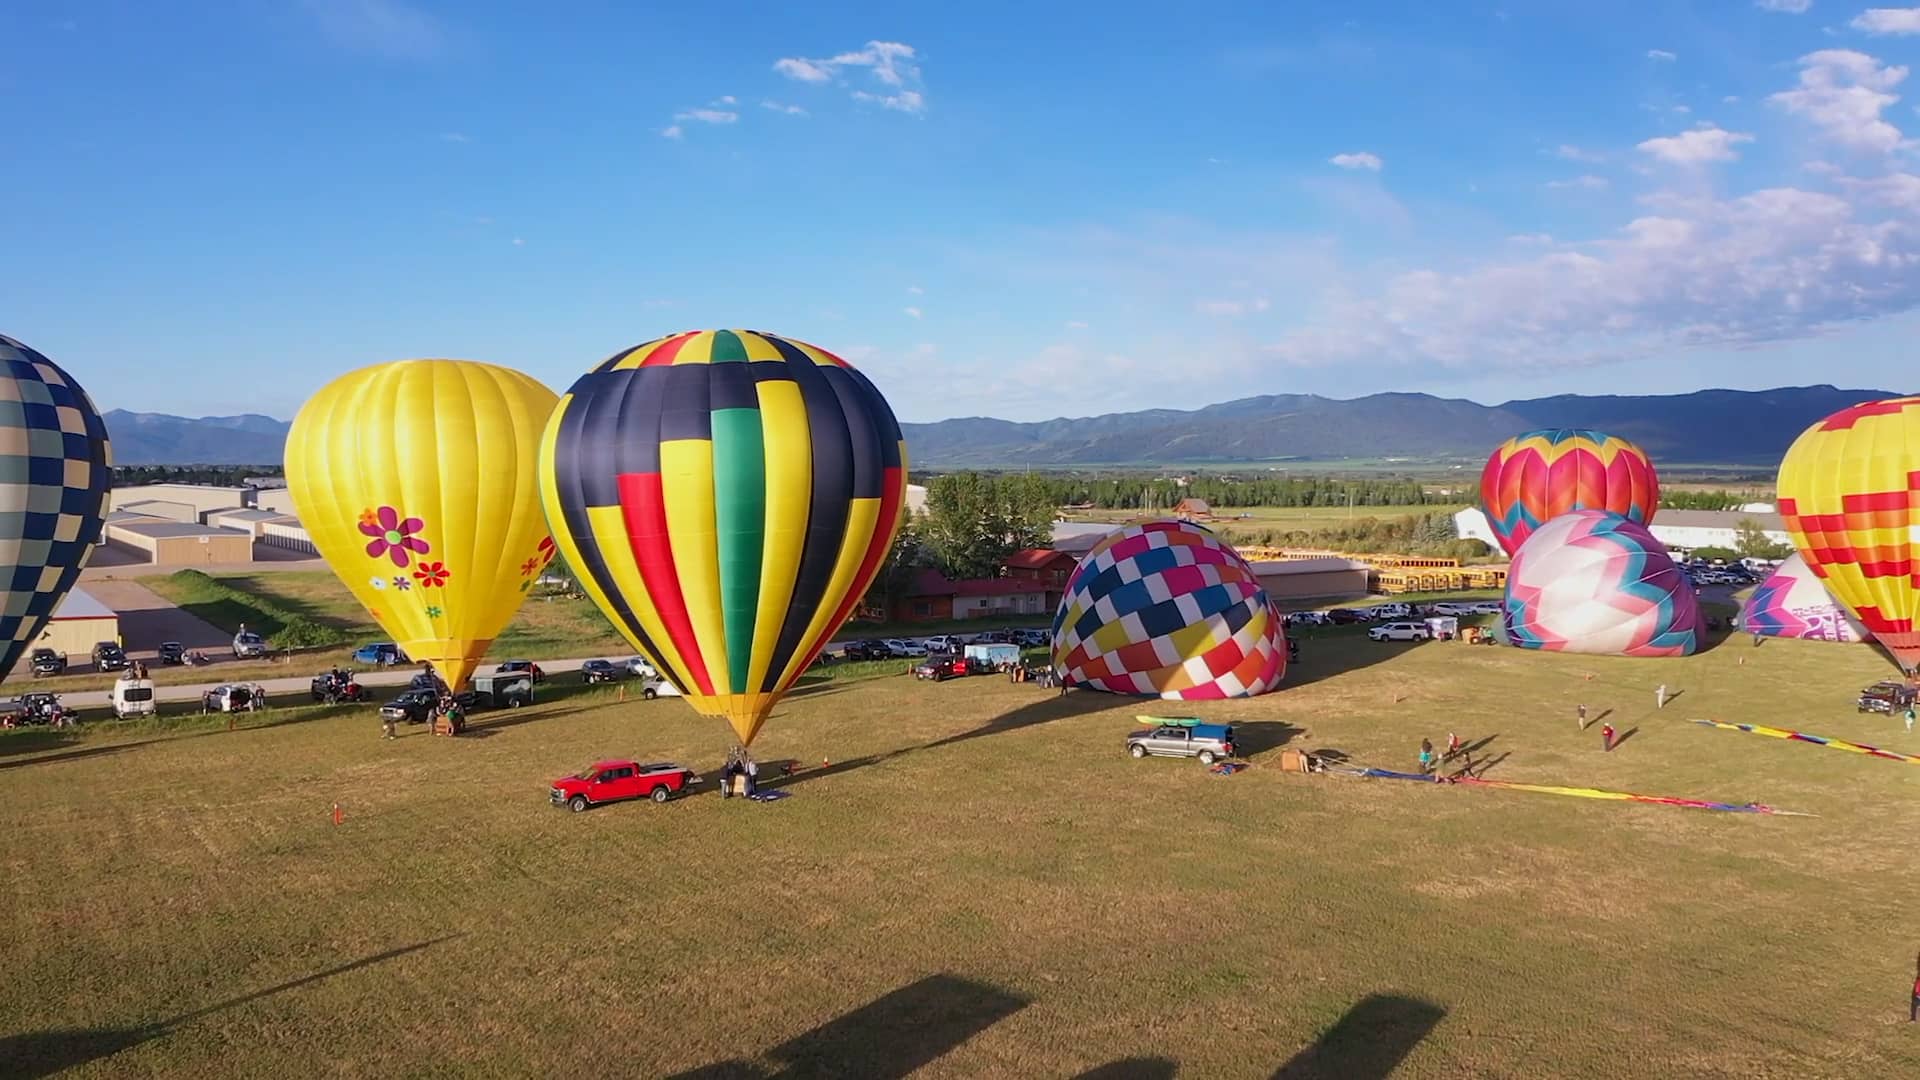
(1593, 582)
(1793, 603)
(1169, 609)
(55, 471)
(1531, 479)
(1850, 496)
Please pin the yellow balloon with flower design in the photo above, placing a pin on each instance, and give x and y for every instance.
(416, 481)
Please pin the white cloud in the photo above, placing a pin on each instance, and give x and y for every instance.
(518, 242)
(780, 107)
(386, 27)
(803, 70)
(1697, 147)
(1883, 21)
(1730, 99)
(906, 101)
(672, 131)
(727, 99)
(1569, 152)
(1538, 239)
(1229, 308)
(1842, 93)
(1076, 324)
(892, 64)
(1358, 160)
(1662, 54)
(455, 137)
(1788, 7)
(708, 116)
(915, 290)
(911, 312)
(1776, 264)
(1588, 182)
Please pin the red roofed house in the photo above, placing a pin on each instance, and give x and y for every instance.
(1051, 568)
(933, 598)
(1192, 508)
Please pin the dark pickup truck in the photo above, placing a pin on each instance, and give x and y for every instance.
(416, 706)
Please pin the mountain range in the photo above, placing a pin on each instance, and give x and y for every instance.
(1719, 427)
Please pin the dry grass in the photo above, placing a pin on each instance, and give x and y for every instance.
(982, 882)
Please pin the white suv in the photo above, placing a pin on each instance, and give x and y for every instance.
(1400, 631)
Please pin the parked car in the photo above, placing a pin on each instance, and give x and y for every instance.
(1886, 697)
(132, 697)
(109, 656)
(593, 671)
(333, 687)
(614, 781)
(1455, 607)
(658, 687)
(867, 650)
(1306, 618)
(943, 643)
(1208, 742)
(415, 706)
(230, 698)
(36, 708)
(1032, 637)
(641, 668)
(248, 645)
(936, 668)
(1400, 631)
(1344, 616)
(517, 667)
(380, 654)
(502, 691)
(1392, 611)
(48, 662)
(905, 647)
(171, 653)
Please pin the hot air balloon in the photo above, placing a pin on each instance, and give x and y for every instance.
(1535, 477)
(59, 469)
(1848, 490)
(1591, 581)
(1169, 609)
(1793, 602)
(415, 480)
(726, 496)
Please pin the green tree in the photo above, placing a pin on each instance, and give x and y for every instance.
(1751, 541)
(974, 520)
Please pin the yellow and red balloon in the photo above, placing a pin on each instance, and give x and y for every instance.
(1532, 478)
(726, 497)
(1848, 491)
(415, 480)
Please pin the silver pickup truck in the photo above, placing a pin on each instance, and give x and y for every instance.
(1208, 742)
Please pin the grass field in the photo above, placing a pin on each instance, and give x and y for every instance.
(982, 884)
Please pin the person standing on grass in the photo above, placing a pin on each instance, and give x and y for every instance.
(386, 726)
(1606, 738)
(1913, 1009)
(1453, 745)
(1426, 756)
(1660, 696)
(1909, 719)
(1583, 716)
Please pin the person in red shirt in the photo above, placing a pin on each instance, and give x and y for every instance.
(1913, 1012)
(1606, 738)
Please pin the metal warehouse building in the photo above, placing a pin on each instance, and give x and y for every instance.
(1311, 579)
(77, 625)
(176, 543)
(249, 521)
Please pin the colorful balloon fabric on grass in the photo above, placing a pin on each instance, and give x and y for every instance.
(726, 497)
(53, 497)
(416, 481)
(1169, 609)
(1593, 582)
(1794, 603)
(1533, 478)
(1850, 496)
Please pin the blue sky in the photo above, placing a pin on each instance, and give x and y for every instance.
(1023, 210)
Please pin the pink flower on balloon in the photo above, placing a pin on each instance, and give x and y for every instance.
(393, 536)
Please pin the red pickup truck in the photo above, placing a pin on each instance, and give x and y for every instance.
(612, 781)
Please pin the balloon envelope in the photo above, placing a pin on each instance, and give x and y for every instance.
(1793, 602)
(1168, 608)
(1849, 486)
(416, 481)
(1594, 582)
(1531, 479)
(726, 497)
(53, 448)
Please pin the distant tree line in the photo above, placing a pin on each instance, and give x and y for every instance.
(1712, 500)
(1431, 534)
(1150, 491)
(218, 475)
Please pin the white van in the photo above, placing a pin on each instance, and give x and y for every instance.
(133, 697)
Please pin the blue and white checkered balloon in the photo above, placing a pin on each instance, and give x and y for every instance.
(55, 471)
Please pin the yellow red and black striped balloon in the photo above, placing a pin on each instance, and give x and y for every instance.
(726, 497)
(1849, 491)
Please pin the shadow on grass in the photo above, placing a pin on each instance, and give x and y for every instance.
(44, 1053)
(35, 739)
(1326, 652)
(1259, 736)
(1140, 1068)
(890, 1037)
(1368, 1042)
(1621, 739)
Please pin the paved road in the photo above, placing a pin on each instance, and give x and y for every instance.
(146, 619)
(297, 686)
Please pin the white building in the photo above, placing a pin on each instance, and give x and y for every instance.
(278, 500)
(1681, 530)
(916, 498)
